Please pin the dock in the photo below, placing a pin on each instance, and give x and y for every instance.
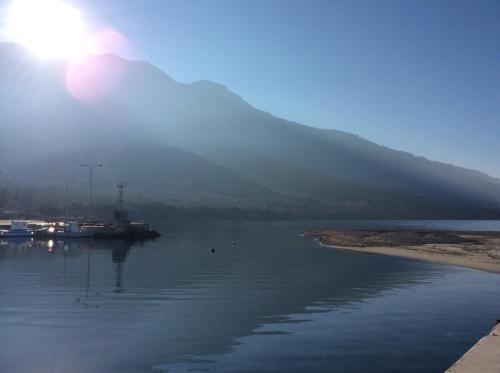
(483, 357)
(121, 228)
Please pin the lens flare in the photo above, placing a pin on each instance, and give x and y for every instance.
(94, 78)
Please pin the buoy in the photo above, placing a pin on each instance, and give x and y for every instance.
(213, 250)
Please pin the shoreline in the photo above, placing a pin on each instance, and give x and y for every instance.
(476, 250)
(410, 252)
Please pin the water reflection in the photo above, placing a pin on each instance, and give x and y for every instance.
(119, 256)
(22, 248)
(173, 304)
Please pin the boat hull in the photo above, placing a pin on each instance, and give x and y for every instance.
(13, 234)
(74, 234)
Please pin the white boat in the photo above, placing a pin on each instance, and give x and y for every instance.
(72, 229)
(18, 228)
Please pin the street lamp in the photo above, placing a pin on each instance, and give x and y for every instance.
(66, 200)
(91, 177)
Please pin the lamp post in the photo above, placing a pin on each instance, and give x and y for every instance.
(66, 196)
(91, 177)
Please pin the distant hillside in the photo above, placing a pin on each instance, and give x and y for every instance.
(153, 173)
(242, 154)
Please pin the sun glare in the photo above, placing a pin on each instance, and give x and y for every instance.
(48, 28)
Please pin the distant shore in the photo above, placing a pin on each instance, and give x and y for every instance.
(478, 250)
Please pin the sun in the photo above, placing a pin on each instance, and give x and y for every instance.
(48, 28)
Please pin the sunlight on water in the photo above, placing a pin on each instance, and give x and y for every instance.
(274, 301)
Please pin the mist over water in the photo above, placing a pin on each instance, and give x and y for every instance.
(272, 301)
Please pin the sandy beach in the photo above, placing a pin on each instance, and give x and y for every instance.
(478, 250)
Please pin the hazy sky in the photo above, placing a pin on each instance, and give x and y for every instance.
(421, 76)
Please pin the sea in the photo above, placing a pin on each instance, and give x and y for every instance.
(238, 297)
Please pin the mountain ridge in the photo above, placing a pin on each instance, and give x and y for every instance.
(145, 105)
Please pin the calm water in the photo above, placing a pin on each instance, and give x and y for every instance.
(275, 301)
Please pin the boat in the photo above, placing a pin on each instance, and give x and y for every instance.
(121, 228)
(73, 229)
(18, 228)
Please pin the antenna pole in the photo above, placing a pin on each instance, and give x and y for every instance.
(121, 193)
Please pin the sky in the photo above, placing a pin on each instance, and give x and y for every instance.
(421, 76)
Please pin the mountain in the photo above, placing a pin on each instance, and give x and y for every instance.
(106, 101)
(153, 173)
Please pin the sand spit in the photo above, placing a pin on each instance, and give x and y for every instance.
(478, 250)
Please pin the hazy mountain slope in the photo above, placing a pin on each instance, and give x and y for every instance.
(286, 155)
(38, 115)
(208, 119)
(144, 104)
(153, 173)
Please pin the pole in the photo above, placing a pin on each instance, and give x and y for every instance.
(66, 196)
(66, 199)
(88, 270)
(91, 179)
(91, 169)
(121, 193)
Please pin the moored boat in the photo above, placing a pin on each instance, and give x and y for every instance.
(73, 229)
(18, 228)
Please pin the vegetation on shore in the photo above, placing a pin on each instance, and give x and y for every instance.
(50, 202)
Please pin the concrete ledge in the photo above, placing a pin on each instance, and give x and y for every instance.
(483, 357)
